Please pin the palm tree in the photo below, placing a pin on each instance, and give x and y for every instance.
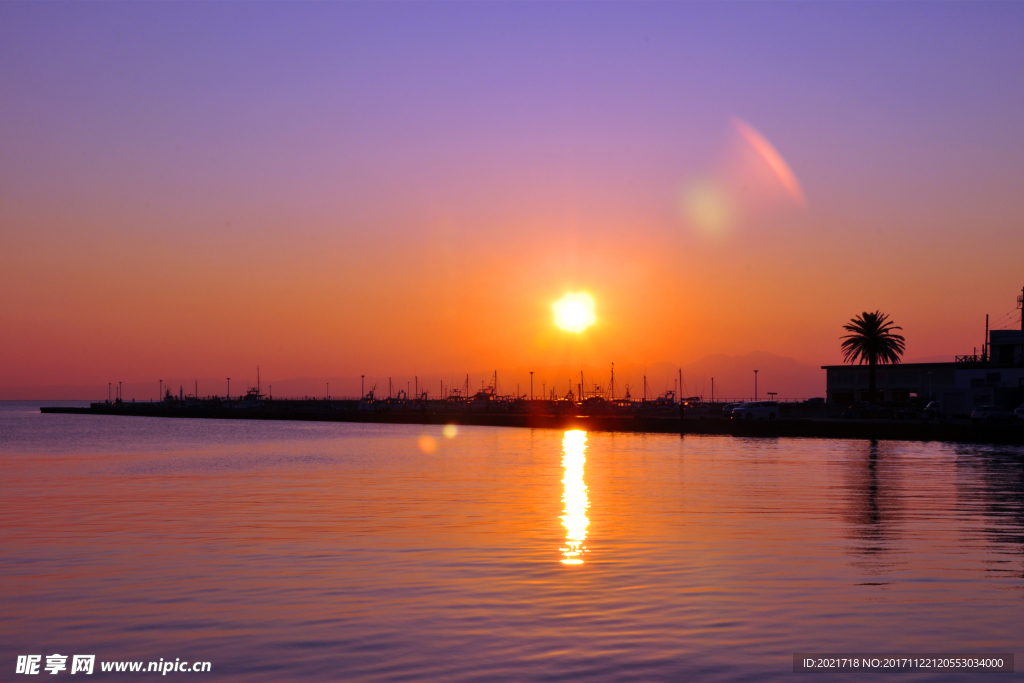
(872, 341)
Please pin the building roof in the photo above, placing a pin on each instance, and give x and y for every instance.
(911, 366)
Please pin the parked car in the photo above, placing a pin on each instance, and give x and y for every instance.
(1019, 412)
(933, 410)
(756, 410)
(908, 412)
(729, 407)
(991, 414)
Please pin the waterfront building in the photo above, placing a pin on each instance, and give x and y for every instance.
(996, 376)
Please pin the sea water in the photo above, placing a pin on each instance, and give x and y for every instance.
(328, 551)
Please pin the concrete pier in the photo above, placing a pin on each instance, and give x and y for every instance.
(348, 411)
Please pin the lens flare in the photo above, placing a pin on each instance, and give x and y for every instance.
(427, 444)
(450, 431)
(574, 496)
(774, 160)
(708, 208)
(574, 312)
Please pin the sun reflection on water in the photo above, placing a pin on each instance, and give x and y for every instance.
(574, 448)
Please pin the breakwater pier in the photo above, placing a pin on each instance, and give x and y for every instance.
(660, 416)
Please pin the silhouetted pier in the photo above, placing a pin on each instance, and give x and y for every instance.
(802, 420)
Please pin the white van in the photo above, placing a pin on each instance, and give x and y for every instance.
(756, 410)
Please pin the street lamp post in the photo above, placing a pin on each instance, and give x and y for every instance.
(755, 385)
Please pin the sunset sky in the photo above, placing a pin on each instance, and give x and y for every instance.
(329, 189)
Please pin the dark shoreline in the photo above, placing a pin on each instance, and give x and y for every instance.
(818, 428)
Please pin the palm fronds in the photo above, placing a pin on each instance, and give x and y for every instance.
(872, 340)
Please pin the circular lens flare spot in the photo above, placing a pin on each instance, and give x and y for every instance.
(450, 431)
(708, 208)
(574, 312)
(427, 444)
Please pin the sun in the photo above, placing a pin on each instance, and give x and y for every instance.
(574, 312)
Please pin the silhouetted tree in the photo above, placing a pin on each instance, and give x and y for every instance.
(872, 341)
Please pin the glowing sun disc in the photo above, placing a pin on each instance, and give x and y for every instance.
(574, 312)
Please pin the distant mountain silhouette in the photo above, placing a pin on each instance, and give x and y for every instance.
(734, 376)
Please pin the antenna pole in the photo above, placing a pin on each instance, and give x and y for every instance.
(531, 385)
(1020, 307)
(984, 347)
(362, 386)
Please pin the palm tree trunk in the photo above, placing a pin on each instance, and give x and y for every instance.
(871, 380)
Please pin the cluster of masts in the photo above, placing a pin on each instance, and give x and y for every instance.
(578, 391)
